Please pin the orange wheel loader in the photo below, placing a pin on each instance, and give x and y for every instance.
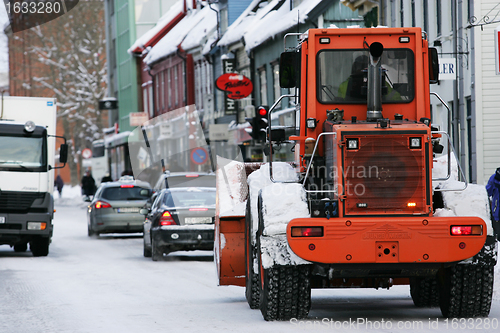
(360, 205)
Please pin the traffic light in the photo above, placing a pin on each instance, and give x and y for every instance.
(259, 123)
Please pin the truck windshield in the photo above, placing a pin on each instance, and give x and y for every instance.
(22, 154)
(342, 76)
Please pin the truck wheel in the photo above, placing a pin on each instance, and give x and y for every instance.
(40, 246)
(20, 247)
(424, 291)
(252, 290)
(286, 293)
(466, 290)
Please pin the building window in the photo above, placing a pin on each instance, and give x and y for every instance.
(150, 101)
(176, 85)
(145, 100)
(276, 78)
(157, 88)
(263, 86)
(163, 90)
(413, 20)
(438, 17)
(426, 15)
(169, 88)
(401, 13)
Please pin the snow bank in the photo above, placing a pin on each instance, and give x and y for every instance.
(71, 196)
(282, 203)
(232, 188)
(259, 179)
(473, 201)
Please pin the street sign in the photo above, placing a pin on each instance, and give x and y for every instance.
(447, 69)
(108, 104)
(218, 132)
(86, 153)
(138, 118)
(237, 86)
(199, 155)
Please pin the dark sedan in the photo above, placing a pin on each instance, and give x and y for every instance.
(180, 219)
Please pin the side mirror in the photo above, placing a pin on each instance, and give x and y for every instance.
(289, 69)
(145, 193)
(433, 66)
(63, 153)
(144, 211)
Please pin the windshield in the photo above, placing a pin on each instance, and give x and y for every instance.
(22, 154)
(190, 198)
(342, 76)
(124, 193)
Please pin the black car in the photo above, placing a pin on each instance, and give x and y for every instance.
(180, 219)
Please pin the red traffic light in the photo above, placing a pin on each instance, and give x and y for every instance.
(262, 111)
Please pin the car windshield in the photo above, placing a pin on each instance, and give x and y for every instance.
(190, 198)
(342, 76)
(21, 153)
(123, 193)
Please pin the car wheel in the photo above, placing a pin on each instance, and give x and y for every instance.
(39, 246)
(20, 247)
(155, 251)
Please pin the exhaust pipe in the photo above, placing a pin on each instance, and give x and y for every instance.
(374, 99)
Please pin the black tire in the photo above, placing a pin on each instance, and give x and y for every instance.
(147, 251)
(424, 292)
(156, 254)
(466, 290)
(39, 246)
(252, 280)
(285, 291)
(90, 232)
(20, 247)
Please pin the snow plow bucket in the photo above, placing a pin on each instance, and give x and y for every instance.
(387, 240)
(230, 240)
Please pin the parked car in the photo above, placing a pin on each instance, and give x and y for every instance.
(185, 179)
(116, 206)
(180, 219)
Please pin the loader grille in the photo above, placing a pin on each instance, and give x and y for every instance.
(18, 201)
(384, 175)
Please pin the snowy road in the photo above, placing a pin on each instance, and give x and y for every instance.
(104, 284)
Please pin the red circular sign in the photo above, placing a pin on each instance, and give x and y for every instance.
(236, 85)
(86, 153)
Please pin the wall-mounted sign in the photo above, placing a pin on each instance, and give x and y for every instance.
(109, 103)
(447, 69)
(236, 86)
(138, 118)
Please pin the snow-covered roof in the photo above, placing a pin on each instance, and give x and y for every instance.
(175, 13)
(258, 24)
(189, 32)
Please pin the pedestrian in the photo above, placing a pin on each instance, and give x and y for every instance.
(493, 189)
(88, 184)
(59, 183)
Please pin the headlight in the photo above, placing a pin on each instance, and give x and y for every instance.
(415, 143)
(29, 126)
(352, 144)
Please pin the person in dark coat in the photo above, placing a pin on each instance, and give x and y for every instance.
(88, 184)
(493, 189)
(59, 183)
(106, 178)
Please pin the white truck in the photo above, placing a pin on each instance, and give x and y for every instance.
(27, 163)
